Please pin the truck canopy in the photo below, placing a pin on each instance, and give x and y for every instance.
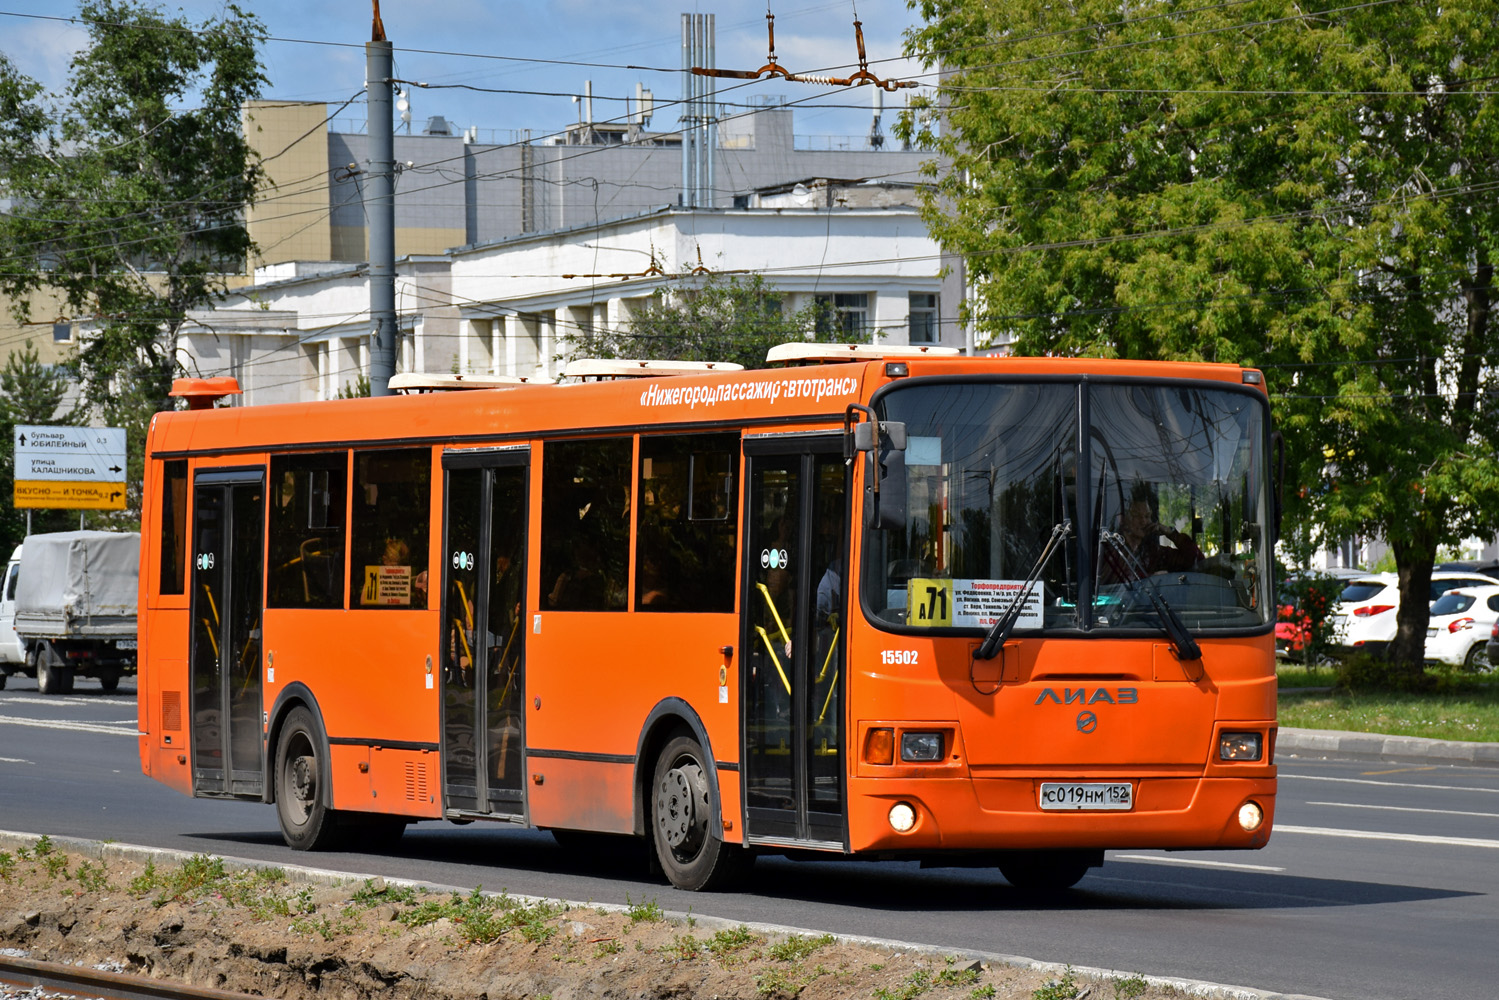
(78, 583)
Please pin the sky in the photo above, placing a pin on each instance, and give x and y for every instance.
(316, 53)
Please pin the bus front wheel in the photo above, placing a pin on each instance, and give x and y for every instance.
(690, 854)
(306, 823)
(1047, 870)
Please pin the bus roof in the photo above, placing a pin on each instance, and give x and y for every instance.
(805, 397)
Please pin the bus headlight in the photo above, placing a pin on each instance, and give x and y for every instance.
(902, 817)
(1251, 816)
(1239, 746)
(920, 746)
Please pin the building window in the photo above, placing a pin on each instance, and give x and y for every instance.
(62, 333)
(923, 323)
(847, 315)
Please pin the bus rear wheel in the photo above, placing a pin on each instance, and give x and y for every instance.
(306, 823)
(691, 855)
(1046, 870)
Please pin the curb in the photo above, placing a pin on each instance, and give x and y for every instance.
(100, 850)
(1376, 746)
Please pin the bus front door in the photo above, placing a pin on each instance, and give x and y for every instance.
(483, 641)
(227, 601)
(793, 641)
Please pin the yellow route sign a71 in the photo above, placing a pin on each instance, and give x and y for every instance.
(72, 467)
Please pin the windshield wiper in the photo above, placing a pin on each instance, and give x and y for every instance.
(1006, 623)
(1182, 643)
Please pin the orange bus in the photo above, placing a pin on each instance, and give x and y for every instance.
(882, 604)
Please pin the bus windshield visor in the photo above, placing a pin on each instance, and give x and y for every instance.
(1163, 489)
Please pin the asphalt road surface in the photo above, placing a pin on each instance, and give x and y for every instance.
(1379, 882)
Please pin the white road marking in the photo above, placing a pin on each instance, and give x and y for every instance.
(1194, 861)
(1408, 838)
(1388, 784)
(1405, 809)
(61, 700)
(81, 727)
(14, 760)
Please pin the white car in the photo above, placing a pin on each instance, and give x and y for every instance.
(1367, 607)
(1461, 621)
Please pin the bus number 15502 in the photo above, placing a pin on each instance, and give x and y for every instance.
(894, 657)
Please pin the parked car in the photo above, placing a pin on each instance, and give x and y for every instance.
(1367, 607)
(1293, 624)
(1492, 646)
(1461, 623)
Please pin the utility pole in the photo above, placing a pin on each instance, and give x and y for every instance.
(380, 207)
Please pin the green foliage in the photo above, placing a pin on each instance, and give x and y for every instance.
(358, 389)
(1253, 184)
(129, 189)
(43, 846)
(1065, 988)
(1460, 707)
(644, 912)
(796, 948)
(686, 947)
(984, 992)
(716, 318)
(482, 918)
(725, 944)
(7, 866)
(1130, 987)
(913, 986)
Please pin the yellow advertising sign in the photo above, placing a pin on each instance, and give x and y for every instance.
(929, 602)
(89, 496)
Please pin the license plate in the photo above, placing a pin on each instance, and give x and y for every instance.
(125, 644)
(1087, 795)
(1431, 633)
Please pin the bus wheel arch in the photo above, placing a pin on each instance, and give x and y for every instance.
(672, 717)
(293, 696)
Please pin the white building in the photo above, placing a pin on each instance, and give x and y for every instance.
(302, 331)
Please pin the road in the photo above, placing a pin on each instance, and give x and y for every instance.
(1380, 881)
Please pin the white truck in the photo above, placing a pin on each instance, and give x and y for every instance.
(67, 609)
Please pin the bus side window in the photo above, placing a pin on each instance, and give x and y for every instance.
(392, 510)
(688, 523)
(585, 524)
(309, 500)
(173, 576)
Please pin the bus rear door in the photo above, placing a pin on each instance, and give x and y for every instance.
(227, 606)
(483, 641)
(793, 607)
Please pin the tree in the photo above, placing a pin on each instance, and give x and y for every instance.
(1246, 182)
(30, 394)
(725, 318)
(127, 199)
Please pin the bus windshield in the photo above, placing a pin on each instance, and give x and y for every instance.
(1163, 490)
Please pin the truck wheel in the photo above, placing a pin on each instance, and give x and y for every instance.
(109, 679)
(306, 823)
(50, 677)
(690, 855)
(3, 677)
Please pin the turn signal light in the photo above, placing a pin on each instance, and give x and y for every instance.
(879, 746)
(1372, 609)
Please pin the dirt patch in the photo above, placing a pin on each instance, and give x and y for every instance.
(266, 931)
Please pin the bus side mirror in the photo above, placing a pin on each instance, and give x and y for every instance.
(884, 475)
